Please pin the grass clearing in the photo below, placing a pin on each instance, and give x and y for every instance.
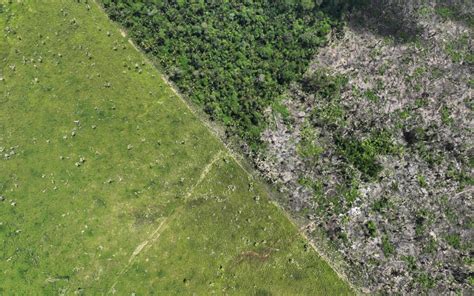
(112, 185)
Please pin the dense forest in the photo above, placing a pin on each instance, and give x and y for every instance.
(233, 58)
(358, 111)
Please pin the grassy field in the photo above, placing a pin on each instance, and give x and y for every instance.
(110, 184)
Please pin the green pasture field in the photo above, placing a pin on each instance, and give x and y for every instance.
(111, 185)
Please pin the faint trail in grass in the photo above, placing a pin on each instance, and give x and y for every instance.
(204, 172)
(155, 235)
(237, 158)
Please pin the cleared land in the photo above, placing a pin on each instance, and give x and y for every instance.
(110, 184)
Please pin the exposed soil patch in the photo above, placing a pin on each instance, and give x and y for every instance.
(260, 256)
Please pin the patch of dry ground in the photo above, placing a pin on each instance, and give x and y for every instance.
(410, 229)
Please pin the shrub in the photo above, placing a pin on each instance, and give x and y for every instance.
(307, 147)
(454, 240)
(371, 228)
(381, 204)
(363, 153)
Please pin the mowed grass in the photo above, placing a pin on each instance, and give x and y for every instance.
(110, 183)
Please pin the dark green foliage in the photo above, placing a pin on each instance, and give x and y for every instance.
(381, 205)
(421, 102)
(232, 58)
(363, 153)
(420, 276)
(332, 114)
(327, 90)
(425, 280)
(459, 50)
(358, 154)
(338, 8)
(324, 85)
(281, 109)
(445, 12)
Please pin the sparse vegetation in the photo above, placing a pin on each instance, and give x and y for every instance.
(390, 104)
(425, 280)
(431, 246)
(387, 247)
(459, 50)
(453, 240)
(446, 115)
(326, 89)
(308, 148)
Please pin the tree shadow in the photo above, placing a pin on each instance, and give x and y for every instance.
(386, 18)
